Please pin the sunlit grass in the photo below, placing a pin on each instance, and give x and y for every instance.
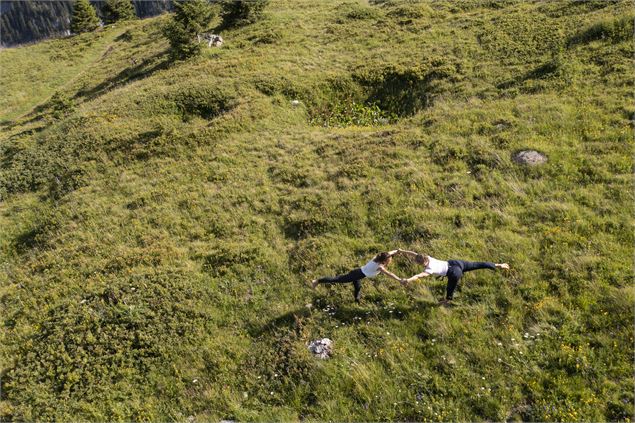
(163, 229)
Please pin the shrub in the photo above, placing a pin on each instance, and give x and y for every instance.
(615, 30)
(352, 113)
(242, 12)
(113, 334)
(282, 362)
(518, 37)
(66, 181)
(61, 105)
(265, 35)
(380, 95)
(272, 84)
(357, 12)
(404, 90)
(560, 9)
(207, 101)
(406, 13)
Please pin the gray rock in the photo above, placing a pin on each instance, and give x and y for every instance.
(321, 348)
(529, 157)
(502, 125)
(213, 40)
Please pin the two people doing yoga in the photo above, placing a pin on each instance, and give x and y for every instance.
(452, 269)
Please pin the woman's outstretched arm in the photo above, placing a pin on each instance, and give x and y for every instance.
(409, 254)
(388, 273)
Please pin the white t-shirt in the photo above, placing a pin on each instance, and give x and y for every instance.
(436, 267)
(371, 269)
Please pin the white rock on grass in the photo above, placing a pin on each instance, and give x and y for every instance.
(529, 157)
(295, 103)
(321, 348)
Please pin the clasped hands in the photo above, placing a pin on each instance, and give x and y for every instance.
(403, 281)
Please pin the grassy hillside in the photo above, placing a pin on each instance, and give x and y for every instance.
(160, 220)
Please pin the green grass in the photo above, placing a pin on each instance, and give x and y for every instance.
(161, 219)
(31, 75)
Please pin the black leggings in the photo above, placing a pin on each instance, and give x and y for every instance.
(456, 268)
(354, 276)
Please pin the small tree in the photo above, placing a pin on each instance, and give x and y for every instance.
(241, 12)
(190, 19)
(119, 10)
(84, 18)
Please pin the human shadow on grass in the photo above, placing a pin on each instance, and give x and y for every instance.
(350, 314)
(137, 71)
(353, 313)
(289, 320)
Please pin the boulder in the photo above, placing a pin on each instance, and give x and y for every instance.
(321, 348)
(529, 157)
(215, 41)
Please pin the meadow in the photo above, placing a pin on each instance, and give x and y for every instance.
(161, 220)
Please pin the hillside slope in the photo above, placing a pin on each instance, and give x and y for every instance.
(160, 220)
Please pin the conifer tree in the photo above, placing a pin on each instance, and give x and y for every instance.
(119, 10)
(84, 18)
(190, 19)
(241, 12)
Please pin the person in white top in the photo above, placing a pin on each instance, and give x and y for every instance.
(453, 269)
(371, 269)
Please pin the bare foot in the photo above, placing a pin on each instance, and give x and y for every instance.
(314, 283)
(445, 302)
(503, 266)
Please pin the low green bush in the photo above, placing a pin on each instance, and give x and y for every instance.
(281, 367)
(406, 13)
(353, 114)
(266, 35)
(61, 105)
(356, 12)
(405, 90)
(563, 9)
(517, 37)
(121, 333)
(615, 30)
(202, 100)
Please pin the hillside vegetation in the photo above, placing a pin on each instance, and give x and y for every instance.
(160, 220)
